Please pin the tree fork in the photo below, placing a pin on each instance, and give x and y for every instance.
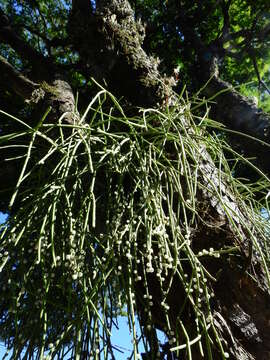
(245, 331)
(114, 15)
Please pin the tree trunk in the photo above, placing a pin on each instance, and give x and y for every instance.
(114, 52)
(241, 305)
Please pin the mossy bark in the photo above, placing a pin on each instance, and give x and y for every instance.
(110, 45)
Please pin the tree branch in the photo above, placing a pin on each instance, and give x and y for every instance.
(114, 50)
(225, 6)
(15, 80)
(231, 108)
(264, 32)
(241, 114)
(43, 68)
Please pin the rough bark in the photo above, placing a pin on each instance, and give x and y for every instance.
(57, 97)
(234, 310)
(241, 304)
(237, 111)
(110, 44)
(240, 114)
(114, 51)
(229, 107)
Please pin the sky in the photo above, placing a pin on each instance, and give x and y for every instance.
(2, 217)
(2, 347)
(121, 337)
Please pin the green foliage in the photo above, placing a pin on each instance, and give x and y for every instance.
(173, 27)
(109, 206)
(105, 211)
(39, 23)
(259, 96)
